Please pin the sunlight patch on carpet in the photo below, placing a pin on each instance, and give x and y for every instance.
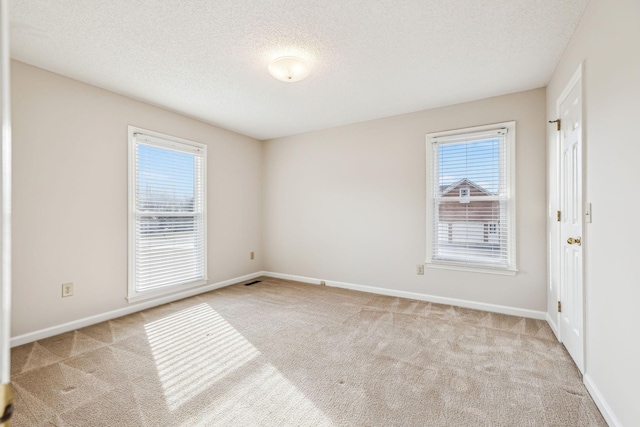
(263, 398)
(196, 347)
(193, 349)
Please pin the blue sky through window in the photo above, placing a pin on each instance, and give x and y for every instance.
(165, 175)
(478, 161)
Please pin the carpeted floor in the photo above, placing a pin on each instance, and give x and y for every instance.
(281, 353)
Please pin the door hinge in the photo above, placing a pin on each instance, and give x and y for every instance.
(559, 307)
(558, 123)
(558, 215)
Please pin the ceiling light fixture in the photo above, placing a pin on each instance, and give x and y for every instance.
(289, 69)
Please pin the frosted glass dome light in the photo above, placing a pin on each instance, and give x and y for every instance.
(289, 69)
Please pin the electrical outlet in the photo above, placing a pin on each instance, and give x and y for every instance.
(67, 289)
(420, 269)
(252, 256)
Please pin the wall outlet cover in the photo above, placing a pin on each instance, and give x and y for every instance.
(67, 289)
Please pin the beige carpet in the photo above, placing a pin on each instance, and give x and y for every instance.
(281, 353)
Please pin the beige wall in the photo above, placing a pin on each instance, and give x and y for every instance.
(348, 204)
(70, 196)
(608, 41)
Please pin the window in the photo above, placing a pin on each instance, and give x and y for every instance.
(167, 218)
(471, 206)
(464, 195)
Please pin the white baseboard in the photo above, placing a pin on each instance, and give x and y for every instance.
(602, 404)
(291, 277)
(533, 314)
(132, 308)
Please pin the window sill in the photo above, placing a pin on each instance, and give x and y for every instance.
(472, 269)
(162, 292)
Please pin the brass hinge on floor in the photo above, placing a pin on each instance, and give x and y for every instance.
(559, 307)
(6, 405)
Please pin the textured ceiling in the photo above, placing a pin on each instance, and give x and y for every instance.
(370, 58)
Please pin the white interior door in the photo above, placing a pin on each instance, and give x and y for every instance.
(571, 222)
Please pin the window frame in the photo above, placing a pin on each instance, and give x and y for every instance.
(167, 142)
(510, 180)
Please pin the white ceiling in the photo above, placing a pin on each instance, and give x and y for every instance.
(370, 58)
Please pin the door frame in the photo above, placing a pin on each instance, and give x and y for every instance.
(576, 78)
(6, 398)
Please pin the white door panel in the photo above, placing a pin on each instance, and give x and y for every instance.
(571, 280)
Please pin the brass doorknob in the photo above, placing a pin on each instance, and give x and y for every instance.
(576, 241)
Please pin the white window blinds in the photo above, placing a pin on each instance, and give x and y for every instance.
(169, 213)
(471, 200)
